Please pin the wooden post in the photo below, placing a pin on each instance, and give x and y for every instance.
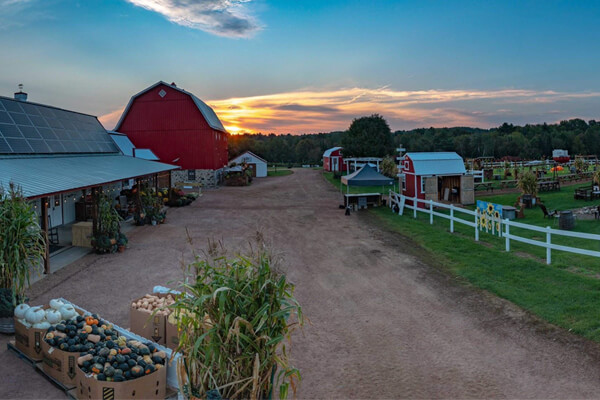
(476, 229)
(44, 204)
(430, 212)
(156, 183)
(95, 193)
(451, 218)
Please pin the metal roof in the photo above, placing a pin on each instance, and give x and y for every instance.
(437, 163)
(331, 150)
(207, 112)
(32, 128)
(128, 149)
(242, 158)
(43, 175)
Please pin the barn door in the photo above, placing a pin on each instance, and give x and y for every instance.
(467, 194)
(253, 169)
(431, 188)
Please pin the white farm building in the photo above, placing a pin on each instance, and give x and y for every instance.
(257, 165)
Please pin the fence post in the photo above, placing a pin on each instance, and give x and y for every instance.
(507, 233)
(548, 243)
(476, 230)
(430, 212)
(390, 198)
(415, 205)
(451, 218)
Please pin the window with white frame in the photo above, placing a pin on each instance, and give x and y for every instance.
(423, 184)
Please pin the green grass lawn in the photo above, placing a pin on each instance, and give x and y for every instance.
(279, 172)
(357, 189)
(556, 293)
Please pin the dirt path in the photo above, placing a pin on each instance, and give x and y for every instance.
(384, 324)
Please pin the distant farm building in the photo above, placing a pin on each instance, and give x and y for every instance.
(333, 160)
(180, 129)
(437, 176)
(257, 165)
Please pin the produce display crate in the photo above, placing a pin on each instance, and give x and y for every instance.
(166, 378)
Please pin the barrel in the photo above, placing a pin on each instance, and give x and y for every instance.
(566, 220)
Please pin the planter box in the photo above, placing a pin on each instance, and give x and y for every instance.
(153, 386)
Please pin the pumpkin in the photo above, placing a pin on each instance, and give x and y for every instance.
(100, 377)
(68, 311)
(53, 316)
(81, 360)
(34, 315)
(109, 371)
(56, 304)
(97, 368)
(20, 310)
(137, 371)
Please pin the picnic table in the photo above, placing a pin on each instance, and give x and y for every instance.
(547, 186)
(485, 185)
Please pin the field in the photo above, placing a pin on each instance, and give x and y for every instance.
(566, 293)
(279, 172)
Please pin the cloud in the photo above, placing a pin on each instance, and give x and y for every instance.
(228, 18)
(313, 111)
(9, 9)
(310, 111)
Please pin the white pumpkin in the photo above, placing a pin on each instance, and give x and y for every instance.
(20, 310)
(67, 311)
(25, 323)
(35, 314)
(53, 316)
(42, 325)
(56, 304)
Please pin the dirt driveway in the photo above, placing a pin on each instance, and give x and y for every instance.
(384, 323)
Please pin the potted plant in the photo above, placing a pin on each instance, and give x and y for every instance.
(22, 249)
(235, 317)
(528, 184)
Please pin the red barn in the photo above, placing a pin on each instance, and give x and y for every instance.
(438, 176)
(179, 128)
(333, 160)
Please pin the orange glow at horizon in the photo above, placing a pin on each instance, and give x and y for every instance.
(314, 111)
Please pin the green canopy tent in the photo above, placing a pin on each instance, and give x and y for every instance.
(366, 176)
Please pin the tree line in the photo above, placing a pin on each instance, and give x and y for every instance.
(371, 136)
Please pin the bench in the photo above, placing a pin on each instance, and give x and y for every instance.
(485, 185)
(192, 185)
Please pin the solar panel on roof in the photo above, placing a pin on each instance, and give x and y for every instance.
(19, 145)
(35, 128)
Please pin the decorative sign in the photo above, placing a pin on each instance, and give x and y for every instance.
(490, 217)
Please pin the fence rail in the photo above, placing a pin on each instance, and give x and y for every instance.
(400, 202)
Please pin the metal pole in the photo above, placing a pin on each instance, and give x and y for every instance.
(476, 230)
(430, 212)
(507, 234)
(548, 243)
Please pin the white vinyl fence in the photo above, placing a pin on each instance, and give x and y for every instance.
(400, 201)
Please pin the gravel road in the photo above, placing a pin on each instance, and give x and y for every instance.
(385, 321)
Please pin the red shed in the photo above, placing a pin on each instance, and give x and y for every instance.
(333, 160)
(177, 126)
(437, 176)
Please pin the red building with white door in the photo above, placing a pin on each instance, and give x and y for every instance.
(333, 160)
(178, 127)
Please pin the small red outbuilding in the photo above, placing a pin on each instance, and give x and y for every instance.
(333, 160)
(177, 126)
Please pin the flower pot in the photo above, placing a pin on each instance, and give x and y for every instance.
(153, 222)
(7, 325)
(113, 241)
(121, 249)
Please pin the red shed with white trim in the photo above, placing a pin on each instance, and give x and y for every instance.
(333, 160)
(437, 176)
(177, 126)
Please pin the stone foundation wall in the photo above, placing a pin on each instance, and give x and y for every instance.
(207, 177)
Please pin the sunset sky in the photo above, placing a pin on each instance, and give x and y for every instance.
(309, 66)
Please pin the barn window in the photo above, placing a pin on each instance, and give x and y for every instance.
(403, 179)
(162, 93)
(191, 174)
(422, 185)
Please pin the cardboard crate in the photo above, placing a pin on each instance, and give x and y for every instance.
(60, 365)
(143, 323)
(153, 386)
(29, 340)
(172, 336)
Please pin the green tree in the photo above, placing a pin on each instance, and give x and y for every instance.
(368, 137)
(389, 167)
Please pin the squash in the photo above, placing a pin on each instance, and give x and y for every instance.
(42, 325)
(53, 316)
(20, 310)
(56, 304)
(35, 315)
(67, 311)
